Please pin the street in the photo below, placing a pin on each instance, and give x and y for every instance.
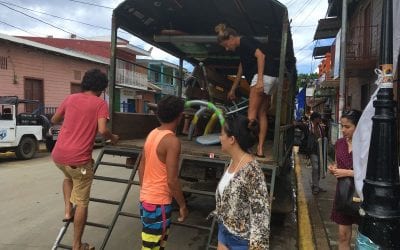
(32, 209)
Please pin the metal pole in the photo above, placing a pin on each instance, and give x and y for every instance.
(278, 111)
(180, 82)
(380, 210)
(113, 62)
(342, 59)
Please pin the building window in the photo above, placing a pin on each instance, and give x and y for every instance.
(77, 75)
(3, 62)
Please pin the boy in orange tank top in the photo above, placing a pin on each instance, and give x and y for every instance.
(158, 175)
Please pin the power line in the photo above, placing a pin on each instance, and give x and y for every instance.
(290, 3)
(305, 46)
(300, 10)
(92, 4)
(18, 28)
(305, 57)
(304, 19)
(40, 20)
(63, 18)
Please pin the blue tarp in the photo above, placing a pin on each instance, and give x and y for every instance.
(300, 104)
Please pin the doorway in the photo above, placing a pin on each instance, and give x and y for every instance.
(33, 90)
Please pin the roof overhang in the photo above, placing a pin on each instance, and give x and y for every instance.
(327, 28)
(320, 52)
(54, 50)
(133, 50)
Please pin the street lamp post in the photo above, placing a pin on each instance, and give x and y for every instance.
(380, 209)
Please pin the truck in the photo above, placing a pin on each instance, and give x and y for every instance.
(185, 29)
(21, 131)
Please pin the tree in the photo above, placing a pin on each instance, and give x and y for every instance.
(303, 79)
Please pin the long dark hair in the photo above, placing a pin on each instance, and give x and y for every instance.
(245, 135)
(352, 115)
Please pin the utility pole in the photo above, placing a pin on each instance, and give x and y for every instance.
(380, 209)
(343, 48)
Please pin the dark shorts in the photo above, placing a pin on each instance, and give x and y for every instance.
(231, 241)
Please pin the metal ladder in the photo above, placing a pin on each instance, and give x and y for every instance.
(134, 156)
(184, 159)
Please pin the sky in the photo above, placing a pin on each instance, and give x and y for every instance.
(91, 18)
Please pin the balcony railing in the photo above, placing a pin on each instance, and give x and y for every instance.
(167, 89)
(131, 78)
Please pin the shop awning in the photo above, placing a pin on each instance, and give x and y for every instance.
(327, 28)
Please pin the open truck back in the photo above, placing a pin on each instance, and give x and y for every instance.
(185, 29)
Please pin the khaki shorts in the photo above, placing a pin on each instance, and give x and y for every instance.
(82, 178)
(270, 83)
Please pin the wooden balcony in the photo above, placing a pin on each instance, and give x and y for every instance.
(362, 51)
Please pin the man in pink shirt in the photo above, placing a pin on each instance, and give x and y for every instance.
(83, 114)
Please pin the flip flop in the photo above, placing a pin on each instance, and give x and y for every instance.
(68, 220)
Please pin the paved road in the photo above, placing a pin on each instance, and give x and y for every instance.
(31, 209)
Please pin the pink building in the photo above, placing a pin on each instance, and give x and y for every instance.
(134, 90)
(31, 70)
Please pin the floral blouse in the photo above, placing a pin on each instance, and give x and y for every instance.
(244, 206)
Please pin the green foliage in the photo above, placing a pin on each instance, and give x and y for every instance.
(303, 79)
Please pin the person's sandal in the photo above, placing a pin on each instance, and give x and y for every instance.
(86, 246)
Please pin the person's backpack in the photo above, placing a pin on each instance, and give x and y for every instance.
(312, 140)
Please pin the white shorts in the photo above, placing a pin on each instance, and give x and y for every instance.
(270, 83)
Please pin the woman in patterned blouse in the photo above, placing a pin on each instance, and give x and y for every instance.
(242, 201)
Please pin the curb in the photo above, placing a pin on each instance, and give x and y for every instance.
(305, 232)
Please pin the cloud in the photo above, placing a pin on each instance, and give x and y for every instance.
(304, 15)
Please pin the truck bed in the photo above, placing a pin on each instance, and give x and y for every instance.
(192, 148)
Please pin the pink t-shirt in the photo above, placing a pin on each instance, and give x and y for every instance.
(75, 142)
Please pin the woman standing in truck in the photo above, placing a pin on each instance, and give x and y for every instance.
(242, 201)
(260, 71)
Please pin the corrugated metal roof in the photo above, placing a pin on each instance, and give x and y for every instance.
(130, 48)
(55, 50)
(327, 28)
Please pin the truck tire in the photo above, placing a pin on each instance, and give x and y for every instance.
(26, 149)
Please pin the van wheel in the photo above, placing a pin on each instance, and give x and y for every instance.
(26, 149)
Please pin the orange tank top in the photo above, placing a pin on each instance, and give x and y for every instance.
(154, 187)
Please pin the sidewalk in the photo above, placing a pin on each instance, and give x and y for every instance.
(324, 232)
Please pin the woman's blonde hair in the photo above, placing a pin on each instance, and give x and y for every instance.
(224, 32)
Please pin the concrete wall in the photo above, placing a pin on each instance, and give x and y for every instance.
(56, 71)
